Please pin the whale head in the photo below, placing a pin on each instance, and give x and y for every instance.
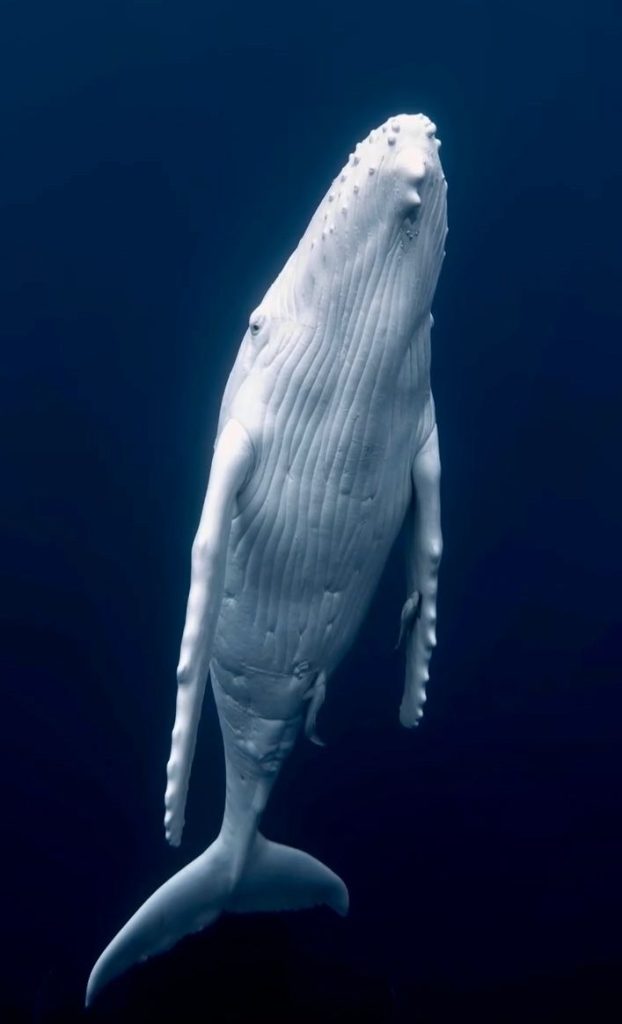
(392, 180)
(373, 248)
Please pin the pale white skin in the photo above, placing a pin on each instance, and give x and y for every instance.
(327, 440)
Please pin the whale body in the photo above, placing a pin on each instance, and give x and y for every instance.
(326, 442)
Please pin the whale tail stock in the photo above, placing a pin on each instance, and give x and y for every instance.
(273, 877)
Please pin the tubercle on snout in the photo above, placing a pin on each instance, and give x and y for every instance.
(405, 147)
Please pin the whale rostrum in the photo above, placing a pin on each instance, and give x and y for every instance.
(326, 443)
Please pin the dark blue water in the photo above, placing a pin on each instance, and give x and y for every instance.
(159, 162)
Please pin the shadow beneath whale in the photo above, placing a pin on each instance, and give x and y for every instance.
(300, 967)
(277, 967)
(308, 966)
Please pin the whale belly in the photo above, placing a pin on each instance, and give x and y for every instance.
(309, 545)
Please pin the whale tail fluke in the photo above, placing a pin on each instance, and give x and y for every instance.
(273, 877)
(186, 903)
(279, 877)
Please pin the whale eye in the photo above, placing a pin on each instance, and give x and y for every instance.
(255, 323)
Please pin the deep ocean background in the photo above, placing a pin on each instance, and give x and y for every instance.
(159, 162)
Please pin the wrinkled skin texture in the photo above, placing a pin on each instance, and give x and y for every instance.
(326, 442)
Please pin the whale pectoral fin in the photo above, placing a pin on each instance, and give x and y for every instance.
(279, 877)
(426, 545)
(232, 462)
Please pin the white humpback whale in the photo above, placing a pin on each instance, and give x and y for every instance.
(326, 442)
